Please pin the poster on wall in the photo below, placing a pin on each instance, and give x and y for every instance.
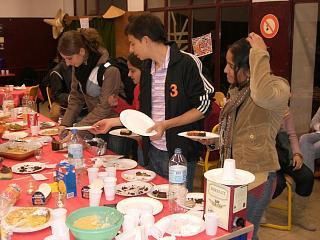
(202, 45)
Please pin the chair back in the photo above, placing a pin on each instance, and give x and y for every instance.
(33, 92)
(213, 160)
(219, 98)
(48, 91)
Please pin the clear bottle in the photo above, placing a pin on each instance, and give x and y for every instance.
(8, 103)
(75, 150)
(177, 181)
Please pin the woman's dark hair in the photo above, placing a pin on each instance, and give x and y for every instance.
(146, 25)
(240, 51)
(135, 61)
(71, 42)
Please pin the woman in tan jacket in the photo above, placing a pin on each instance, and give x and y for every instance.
(251, 118)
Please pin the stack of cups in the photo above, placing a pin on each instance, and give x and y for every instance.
(211, 222)
(111, 171)
(110, 187)
(94, 197)
(92, 174)
(58, 226)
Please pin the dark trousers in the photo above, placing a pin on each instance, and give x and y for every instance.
(302, 177)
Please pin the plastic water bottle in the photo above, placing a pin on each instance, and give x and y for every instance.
(177, 182)
(75, 151)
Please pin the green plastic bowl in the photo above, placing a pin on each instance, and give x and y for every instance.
(115, 220)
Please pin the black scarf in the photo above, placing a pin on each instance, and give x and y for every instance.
(83, 71)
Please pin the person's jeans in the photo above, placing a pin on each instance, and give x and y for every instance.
(310, 148)
(159, 163)
(258, 200)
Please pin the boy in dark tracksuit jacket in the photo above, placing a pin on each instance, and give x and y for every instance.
(173, 92)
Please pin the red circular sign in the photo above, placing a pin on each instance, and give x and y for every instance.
(269, 26)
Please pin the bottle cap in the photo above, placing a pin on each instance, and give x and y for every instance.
(74, 131)
(178, 151)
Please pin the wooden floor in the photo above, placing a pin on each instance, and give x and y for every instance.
(273, 215)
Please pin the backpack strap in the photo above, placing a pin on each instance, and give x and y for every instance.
(102, 68)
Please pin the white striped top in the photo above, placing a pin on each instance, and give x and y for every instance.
(158, 111)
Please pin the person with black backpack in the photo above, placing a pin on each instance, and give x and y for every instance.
(84, 52)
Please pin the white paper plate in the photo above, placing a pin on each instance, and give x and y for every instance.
(121, 164)
(161, 188)
(49, 132)
(209, 135)
(14, 135)
(116, 132)
(138, 175)
(182, 224)
(27, 229)
(137, 122)
(242, 177)
(139, 203)
(107, 157)
(131, 189)
(196, 197)
(28, 167)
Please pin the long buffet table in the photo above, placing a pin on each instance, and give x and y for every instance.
(72, 204)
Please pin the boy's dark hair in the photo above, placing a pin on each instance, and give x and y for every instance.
(146, 25)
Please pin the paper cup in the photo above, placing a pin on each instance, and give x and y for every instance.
(211, 223)
(92, 174)
(94, 197)
(229, 169)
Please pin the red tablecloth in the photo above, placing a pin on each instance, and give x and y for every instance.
(74, 203)
(17, 95)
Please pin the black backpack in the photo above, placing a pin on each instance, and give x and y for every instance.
(121, 64)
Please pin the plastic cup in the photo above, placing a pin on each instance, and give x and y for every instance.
(110, 188)
(3, 72)
(34, 130)
(229, 169)
(102, 175)
(58, 226)
(92, 174)
(130, 222)
(94, 197)
(110, 192)
(211, 223)
(111, 171)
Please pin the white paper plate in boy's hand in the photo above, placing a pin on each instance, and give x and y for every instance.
(137, 122)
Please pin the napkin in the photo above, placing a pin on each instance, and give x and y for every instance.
(160, 228)
(39, 177)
